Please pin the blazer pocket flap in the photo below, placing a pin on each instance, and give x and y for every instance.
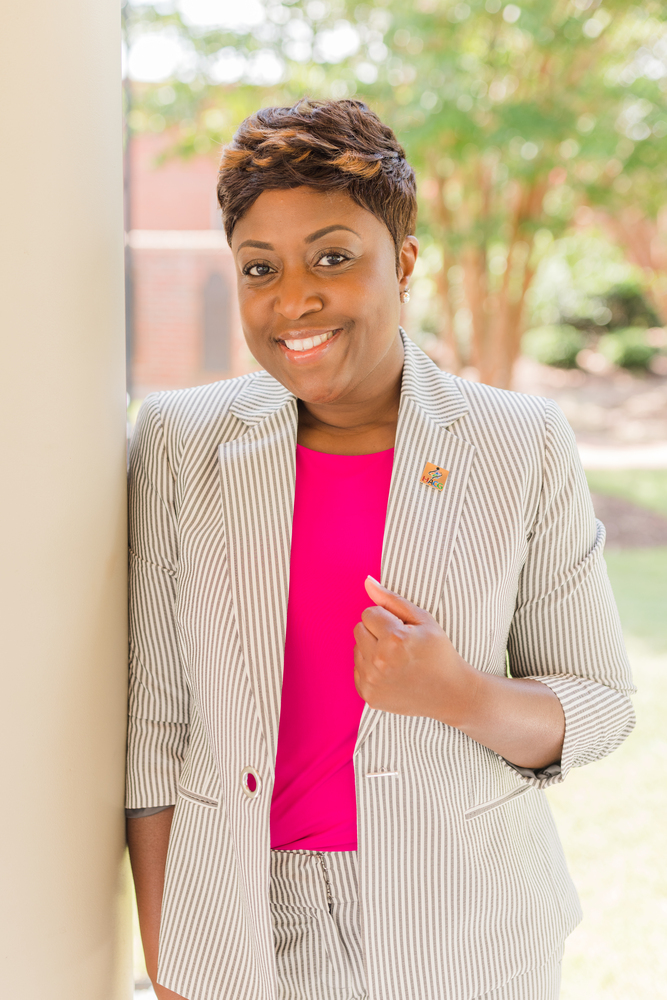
(200, 800)
(485, 807)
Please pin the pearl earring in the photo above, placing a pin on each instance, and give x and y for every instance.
(405, 296)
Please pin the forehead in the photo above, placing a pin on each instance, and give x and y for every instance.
(292, 215)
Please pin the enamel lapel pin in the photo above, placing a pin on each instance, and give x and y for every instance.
(434, 476)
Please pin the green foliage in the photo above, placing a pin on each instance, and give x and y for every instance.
(627, 348)
(583, 281)
(554, 345)
(628, 306)
(517, 90)
(516, 116)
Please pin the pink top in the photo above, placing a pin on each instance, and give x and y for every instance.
(339, 513)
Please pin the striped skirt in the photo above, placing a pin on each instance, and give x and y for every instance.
(317, 933)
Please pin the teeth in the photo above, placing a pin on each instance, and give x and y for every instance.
(307, 343)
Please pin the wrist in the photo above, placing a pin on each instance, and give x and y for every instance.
(461, 696)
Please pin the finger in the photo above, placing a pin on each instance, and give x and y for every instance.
(359, 681)
(408, 612)
(380, 622)
(365, 640)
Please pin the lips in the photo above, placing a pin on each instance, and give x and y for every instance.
(308, 343)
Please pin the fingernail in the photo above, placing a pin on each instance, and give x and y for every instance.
(369, 577)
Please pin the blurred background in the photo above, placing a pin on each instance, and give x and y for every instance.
(539, 134)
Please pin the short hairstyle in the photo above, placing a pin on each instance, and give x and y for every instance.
(324, 145)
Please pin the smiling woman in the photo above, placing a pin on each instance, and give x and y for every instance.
(326, 798)
(320, 307)
(320, 310)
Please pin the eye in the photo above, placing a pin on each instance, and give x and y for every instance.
(257, 270)
(331, 258)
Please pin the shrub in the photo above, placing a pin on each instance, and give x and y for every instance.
(628, 348)
(554, 345)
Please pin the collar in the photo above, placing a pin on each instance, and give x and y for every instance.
(434, 391)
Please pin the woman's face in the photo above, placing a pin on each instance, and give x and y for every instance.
(319, 292)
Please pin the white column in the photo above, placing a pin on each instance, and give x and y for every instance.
(63, 912)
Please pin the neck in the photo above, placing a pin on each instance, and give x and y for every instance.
(360, 424)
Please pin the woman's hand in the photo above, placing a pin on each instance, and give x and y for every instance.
(405, 663)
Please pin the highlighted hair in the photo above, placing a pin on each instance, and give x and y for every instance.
(324, 145)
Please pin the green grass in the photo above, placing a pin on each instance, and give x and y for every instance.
(612, 815)
(646, 487)
(639, 579)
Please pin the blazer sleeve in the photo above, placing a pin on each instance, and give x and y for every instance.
(566, 631)
(159, 698)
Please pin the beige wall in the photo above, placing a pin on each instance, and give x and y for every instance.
(63, 926)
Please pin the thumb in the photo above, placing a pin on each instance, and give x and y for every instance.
(408, 612)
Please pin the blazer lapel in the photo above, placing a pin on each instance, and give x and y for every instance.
(421, 523)
(258, 473)
(258, 478)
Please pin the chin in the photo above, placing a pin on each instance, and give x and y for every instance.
(322, 398)
(325, 381)
(316, 391)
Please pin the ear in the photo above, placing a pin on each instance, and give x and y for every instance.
(407, 258)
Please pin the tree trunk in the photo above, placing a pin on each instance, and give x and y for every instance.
(475, 283)
(446, 332)
(504, 326)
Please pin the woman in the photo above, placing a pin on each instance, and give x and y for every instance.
(349, 776)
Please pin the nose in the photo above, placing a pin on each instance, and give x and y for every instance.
(296, 297)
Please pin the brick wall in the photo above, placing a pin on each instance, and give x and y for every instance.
(175, 193)
(185, 323)
(172, 273)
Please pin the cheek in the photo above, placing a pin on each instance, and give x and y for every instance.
(251, 312)
(247, 301)
(378, 294)
(378, 307)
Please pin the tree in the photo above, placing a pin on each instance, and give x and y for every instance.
(512, 115)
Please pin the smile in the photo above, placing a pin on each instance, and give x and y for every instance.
(308, 343)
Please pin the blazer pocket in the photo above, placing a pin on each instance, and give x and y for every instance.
(486, 807)
(200, 800)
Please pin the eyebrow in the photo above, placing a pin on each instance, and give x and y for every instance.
(329, 229)
(256, 243)
(259, 245)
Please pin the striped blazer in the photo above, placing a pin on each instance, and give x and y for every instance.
(462, 880)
